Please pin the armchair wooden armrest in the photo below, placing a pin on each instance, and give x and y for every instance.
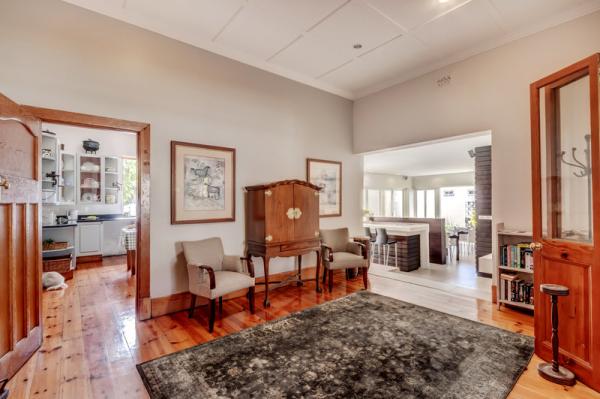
(250, 265)
(363, 249)
(327, 249)
(211, 275)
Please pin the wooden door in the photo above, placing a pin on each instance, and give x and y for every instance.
(566, 213)
(20, 237)
(279, 226)
(306, 204)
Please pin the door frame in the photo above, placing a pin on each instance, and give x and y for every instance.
(142, 130)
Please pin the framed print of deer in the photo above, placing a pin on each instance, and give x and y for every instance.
(202, 183)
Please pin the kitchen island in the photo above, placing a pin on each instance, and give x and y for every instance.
(405, 230)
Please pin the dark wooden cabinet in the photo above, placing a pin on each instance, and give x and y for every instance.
(282, 219)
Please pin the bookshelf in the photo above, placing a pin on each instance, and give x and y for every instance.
(514, 269)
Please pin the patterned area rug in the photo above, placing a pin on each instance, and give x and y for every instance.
(361, 346)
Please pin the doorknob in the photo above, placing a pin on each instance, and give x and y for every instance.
(535, 246)
(4, 183)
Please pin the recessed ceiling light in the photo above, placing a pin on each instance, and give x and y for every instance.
(357, 46)
(443, 1)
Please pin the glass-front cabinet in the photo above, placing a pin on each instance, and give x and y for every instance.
(90, 179)
(68, 185)
(50, 153)
(112, 181)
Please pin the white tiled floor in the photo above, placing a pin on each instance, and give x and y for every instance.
(457, 278)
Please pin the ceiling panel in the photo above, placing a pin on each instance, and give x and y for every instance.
(462, 29)
(412, 13)
(449, 156)
(311, 41)
(202, 18)
(264, 27)
(330, 44)
(383, 63)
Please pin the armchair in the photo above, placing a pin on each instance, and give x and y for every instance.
(341, 253)
(213, 274)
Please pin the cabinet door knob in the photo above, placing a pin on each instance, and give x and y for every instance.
(297, 213)
(269, 238)
(268, 193)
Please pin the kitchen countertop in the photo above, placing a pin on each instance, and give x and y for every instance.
(103, 218)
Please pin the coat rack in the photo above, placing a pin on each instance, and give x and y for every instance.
(584, 169)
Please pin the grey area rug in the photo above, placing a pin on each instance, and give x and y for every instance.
(361, 346)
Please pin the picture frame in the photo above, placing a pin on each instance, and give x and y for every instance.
(327, 175)
(202, 183)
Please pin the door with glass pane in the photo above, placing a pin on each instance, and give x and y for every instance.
(566, 213)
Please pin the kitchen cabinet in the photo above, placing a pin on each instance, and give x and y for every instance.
(50, 154)
(90, 238)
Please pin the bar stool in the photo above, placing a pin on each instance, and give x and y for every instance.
(553, 371)
(371, 236)
(383, 241)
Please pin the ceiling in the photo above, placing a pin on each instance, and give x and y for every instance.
(312, 41)
(448, 156)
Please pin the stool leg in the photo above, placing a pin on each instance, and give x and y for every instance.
(554, 301)
(553, 371)
(396, 254)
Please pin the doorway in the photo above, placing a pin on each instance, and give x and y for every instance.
(442, 187)
(142, 194)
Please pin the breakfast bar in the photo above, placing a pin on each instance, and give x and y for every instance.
(397, 229)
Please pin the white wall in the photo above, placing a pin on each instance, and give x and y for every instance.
(380, 181)
(445, 180)
(488, 91)
(59, 56)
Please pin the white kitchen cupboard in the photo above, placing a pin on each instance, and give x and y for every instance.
(68, 173)
(50, 153)
(90, 238)
(89, 180)
(113, 193)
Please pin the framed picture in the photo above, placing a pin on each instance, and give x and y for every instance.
(202, 183)
(328, 176)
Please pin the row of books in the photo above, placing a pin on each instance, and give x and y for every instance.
(518, 256)
(516, 289)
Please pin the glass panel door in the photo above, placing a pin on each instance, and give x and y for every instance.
(566, 169)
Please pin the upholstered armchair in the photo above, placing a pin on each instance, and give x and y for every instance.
(213, 274)
(339, 252)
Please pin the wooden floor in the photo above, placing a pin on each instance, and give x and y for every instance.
(92, 341)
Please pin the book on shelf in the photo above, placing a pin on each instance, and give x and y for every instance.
(516, 290)
(517, 256)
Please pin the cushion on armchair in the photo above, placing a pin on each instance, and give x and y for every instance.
(345, 260)
(207, 252)
(336, 239)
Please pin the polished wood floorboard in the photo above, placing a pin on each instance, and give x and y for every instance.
(92, 341)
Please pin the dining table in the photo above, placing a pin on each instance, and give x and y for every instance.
(456, 236)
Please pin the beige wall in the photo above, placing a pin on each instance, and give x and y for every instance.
(59, 56)
(445, 180)
(488, 91)
(382, 181)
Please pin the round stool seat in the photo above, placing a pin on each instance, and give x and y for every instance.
(554, 289)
